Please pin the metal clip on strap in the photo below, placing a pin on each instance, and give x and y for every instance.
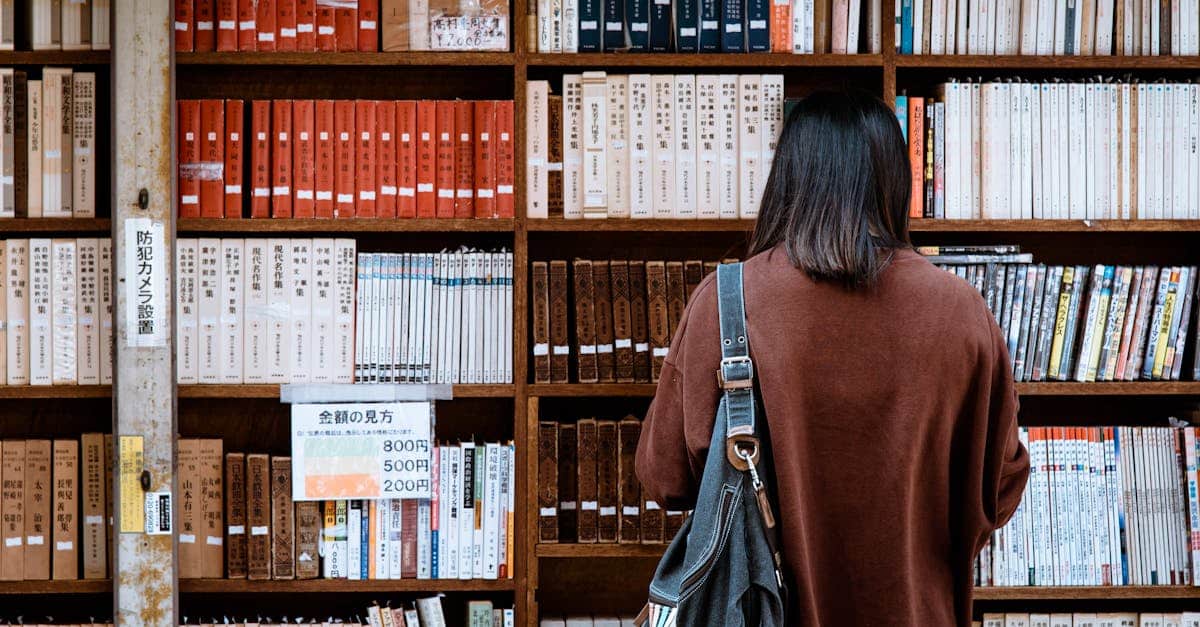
(736, 374)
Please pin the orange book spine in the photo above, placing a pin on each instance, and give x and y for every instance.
(324, 162)
(306, 25)
(189, 155)
(426, 157)
(281, 159)
(234, 157)
(303, 151)
(206, 35)
(368, 25)
(343, 158)
(345, 26)
(326, 39)
(406, 159)
(385, 158)
(485, 159)
(264, 22)
(247, 25)
(464, 159)
(916, 154)
(505, 153)
(227, 32)
(285, 25)
(444, 150)
(364, 178)
(781, 26)
(260, 159)
(212, 158)
(185, 26)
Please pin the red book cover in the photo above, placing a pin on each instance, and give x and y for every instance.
(326, 30)
(485, 159)
(306, 25)
(364, 178)
(206, 34)
(285, 25)
(324, 161)
(426, 157)
(227, 32)
(444, 149)
(247, 27)
(189, 155)
(385, 158)
(234, 157)
(281, 159)
(185, 25)
(212, 158)
(505, 149)
(368, 25)
(345, 26)
(260, 159)
(303, 159)
(406, 159)
(343, 159)
(265, 25)
(464, 159)
(916, 155)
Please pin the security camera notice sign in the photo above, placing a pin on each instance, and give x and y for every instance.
(361, 451)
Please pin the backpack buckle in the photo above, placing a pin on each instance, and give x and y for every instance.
(736, 373)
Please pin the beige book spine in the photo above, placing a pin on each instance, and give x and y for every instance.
(66, 126)
(92, 491)
(65, 547)
(34, 135)
(12, 504)
(52, 143)
(3, 311)
(76, 25)
(16, 287)
(104, 290)
(188, 502)
(38, 490)
(87, 327)
(65, 311)
(210, 534)
(83, 153)
(101, 15)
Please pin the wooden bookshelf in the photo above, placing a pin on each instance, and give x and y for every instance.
(332, 59)
(1046, 62)
(55, 57)
(54, 587)
(236, 391)
(244, 586)
(747, 61)
(342, 225)
(55, 391)
(96, 226)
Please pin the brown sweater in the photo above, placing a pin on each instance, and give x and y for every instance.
(892, 415)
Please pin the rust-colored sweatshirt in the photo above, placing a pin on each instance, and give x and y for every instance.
(892, 414)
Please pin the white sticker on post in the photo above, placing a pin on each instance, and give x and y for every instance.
(145, 284)
(158, 513)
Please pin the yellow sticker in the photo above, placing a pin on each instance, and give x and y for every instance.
(133, 506)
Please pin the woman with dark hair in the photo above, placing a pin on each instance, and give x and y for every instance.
(886, 384)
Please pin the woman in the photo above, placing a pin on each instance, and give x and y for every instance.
(886, 383)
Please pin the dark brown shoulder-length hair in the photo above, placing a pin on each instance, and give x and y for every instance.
(838, 192)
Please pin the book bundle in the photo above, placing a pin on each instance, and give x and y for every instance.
(625, 313)
(57, 508)
(1080, 619)
(55, 25)
(48, 143)
(587, 621)
(56, 305)
(651, 145)
(588, 491)
(1079, 151)
(1048, 27)
(1086, 323)
(1107, 506)
(346, 159)
(238, 520)
(791, 26)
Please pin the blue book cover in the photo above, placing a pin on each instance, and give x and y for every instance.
(660, 25)
(758, 30)
(710, 25)
(614, 25)
(687, 26)
(589, 25)
(902, 115)
(637, 20)
(733, 26)
(906, 27)
(364, 535)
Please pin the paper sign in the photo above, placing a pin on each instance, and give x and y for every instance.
(361, 451)
(145, 283)
(158, 513)
(131, 461)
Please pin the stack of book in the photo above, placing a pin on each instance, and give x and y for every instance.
(428, 612)
(588, 491)
(1048, 27)
(1059, 150)
(651, 145)
(56, 25)
(346, 159)
(1091, 619)
(587, 621)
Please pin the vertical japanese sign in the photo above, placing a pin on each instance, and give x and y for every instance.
(145, 283)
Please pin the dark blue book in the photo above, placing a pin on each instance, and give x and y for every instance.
(364, 536)
(687, 26)
(660, 25)
(906, 27)
(589, 25)
(614, 25)
(637, 19)
(710, 25)
(733, 26)
(758, 30)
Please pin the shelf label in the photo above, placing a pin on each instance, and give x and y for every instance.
(158, 513)
(145, 283)
(131, 460)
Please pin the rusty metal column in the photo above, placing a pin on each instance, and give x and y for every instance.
(145, 579)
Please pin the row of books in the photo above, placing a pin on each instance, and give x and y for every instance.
(651, 145)
(57, 508)
(56, 25)
(428, 612)
(48, 144)
(791, 26)
(346, 159)
(1105, 506)
(587, 488)
(587, 621)
(1089, 619)
(1048, 27)
(1080, 151)
(625, 313)
(57, 308)
(1101, 323)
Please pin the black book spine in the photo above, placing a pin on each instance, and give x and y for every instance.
(758, 33)
(637, 20)
(589, 25)
(710, 25)
(687, 26)
(733, 26)
(614, 25)
(660, 25)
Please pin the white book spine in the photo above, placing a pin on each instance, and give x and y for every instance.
(424, 531)
(65, 310)
(17, 297)
(208, 310)
(750, 144)
(729, 157)
(344, 301)
(104, 282)
(88, 329)
(570, 25)
(508, 319)
(572, 150)
(186, 319)
(772, 125)
(395, 525)
(662, 168)
(354, 548)
(640, 114)
(1077, 122)
(595, 141)
(937, 35)
(708, 201)
(279, 277)
(617, 151)
(452, 502)
(324, 302)
(231, 319)
(380, 511)
(537, 130)
(254, 311)
(300, 361)
(33, 161)
(442, 464)
(491, 511)
(685, 147)
(83, 123)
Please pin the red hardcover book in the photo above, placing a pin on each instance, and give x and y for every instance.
(185, 25)
(505, 151)
(264, 22)
(247, 27)
(306, 25)
(406, 159)
(304, 143)
(426, 157)
(285, 25)
(326, 31)
(916, 155)
(444, 150)
(324, 163)
(345, 26)
(343, 159)
(385, 158)
(206, 34)
(464, 159)
(368, 25)
(235, 157)
(189, 157)
(364, 155)
(281, 159)
(485, 159)
(227, 32)
(212, 158)
(260, 158)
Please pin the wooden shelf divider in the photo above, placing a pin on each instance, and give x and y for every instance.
(317, 60)
(55, 57)
(244, 586)
(342, 225)
(96, 226)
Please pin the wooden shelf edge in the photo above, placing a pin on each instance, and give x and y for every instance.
(637, 226)
(243, 586)
(667, 59)
(271, 390)
(100, 226)
(1028, 593)
(1060, 62)
(1055, 226)
(55, 57)
(342, 225)
(588, 551)
(327, 59)
(1052, 388)
(56, 586)
(55, 391)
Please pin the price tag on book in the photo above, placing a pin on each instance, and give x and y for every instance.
(361, 451)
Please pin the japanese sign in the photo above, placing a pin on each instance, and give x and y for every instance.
(361, 451)
(145, 283)
(131, 460)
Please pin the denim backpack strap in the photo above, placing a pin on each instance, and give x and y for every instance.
(736, 374)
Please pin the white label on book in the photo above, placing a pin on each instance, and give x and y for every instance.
(345, 197)
(93, 520)
(733, 28)
(758, 24)
(187, 538)
(237, 530)
(145, 284)
(651, 506)
(629, 510)
(227, 24)
(406, 191)
(189, 199)
(204, 25)
(266, 36)
(262, 192)
(424, 187)
(246, 25)
(589, 25)
(182, 26)
(626, 343)
(587, 349)
(445, 193)
(484, 193)
(260, 530)
(608, 511)
(324, 30)
(541, 349)
(464, 193)
(366, 24)
(324, 195)
(304, 557)
(640, 27)
(504, 189)
(281, 190)
(687, 32)
(64, 546)
(213, 540)
(35, 540)
(562, 350)
(368, 194)
(233, 189)
(604, 348)
(709, 24)
(9, 542)
(304, 28)
(287, 32)
(548, 511)
(304, 194)
(613, 26)
(566, 506)
(660, 351)
(641, 347)
(589, 506)
(387, 190)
